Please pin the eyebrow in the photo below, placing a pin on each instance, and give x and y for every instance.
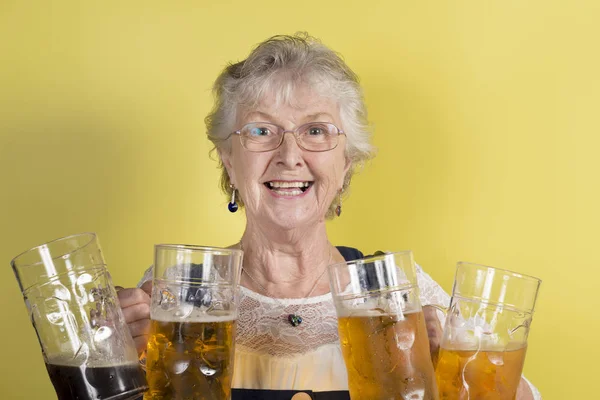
(260, 114)
(317, 117)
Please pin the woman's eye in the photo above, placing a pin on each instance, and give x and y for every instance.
(315, 130)
(258, 131)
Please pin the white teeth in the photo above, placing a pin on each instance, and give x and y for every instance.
(284, 188)
(293, 192)
(280, 184)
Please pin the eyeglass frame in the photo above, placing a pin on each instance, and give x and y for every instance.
(284, 131)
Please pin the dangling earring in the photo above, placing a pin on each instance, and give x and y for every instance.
(338, 209)
(232, 206)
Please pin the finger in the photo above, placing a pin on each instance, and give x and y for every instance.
(136, 312)
(431, 318)
(434, 328)
(139, 328)
(434, 331)
(141, 342)
(129, 297)
(147, 287)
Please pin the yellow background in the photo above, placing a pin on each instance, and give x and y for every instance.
(485, 115)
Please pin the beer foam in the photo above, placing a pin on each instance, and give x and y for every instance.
(484, 346)
(357, 312)
(478, 339)
(196, 315)
(379, 304)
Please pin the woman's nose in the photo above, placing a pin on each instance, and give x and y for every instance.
(290, 152)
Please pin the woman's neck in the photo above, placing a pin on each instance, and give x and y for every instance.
(287, 264)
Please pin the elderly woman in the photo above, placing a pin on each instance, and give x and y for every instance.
(290, 128)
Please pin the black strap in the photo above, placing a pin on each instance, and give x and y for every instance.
(349, 253)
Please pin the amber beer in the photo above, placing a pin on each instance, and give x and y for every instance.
(190, 359)
(387, 356)
(484, 343)
(472, 374)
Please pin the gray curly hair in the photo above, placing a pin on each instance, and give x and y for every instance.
(279, 65)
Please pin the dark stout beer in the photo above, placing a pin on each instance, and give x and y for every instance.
(119, 382)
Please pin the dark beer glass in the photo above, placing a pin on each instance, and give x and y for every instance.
(73, 306)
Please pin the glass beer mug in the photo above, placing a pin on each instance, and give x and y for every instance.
(382, 328)
(86, 344)
(483, 346)
(194, 308)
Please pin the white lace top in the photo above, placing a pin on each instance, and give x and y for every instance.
(273, 354)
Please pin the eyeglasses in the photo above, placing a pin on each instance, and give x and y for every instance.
(314, 136)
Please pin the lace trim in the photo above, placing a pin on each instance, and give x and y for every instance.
(263, 327)
(286, 301)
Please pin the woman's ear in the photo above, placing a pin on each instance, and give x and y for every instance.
(347, 168)
(226, 160)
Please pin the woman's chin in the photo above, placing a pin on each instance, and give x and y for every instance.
(289, 219)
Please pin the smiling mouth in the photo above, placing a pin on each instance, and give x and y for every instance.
(284, 188)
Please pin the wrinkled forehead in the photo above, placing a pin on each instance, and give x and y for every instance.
(298, 99)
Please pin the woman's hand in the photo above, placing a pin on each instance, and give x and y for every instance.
(524, 391)
(135, 304)
(434, 331)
